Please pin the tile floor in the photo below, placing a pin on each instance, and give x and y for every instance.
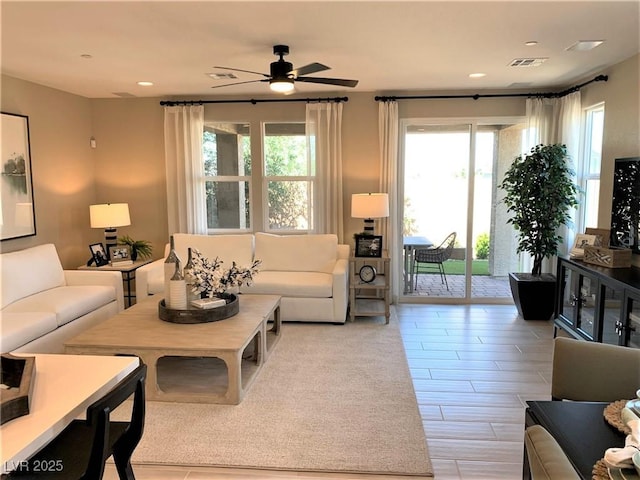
(473, 368)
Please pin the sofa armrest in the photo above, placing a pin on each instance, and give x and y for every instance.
(144, 273)
(86, 277)
(340, 289)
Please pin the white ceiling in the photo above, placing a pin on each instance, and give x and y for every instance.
(388, 46)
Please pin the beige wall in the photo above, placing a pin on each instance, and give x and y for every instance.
(63, 167)
(128, 163)
(621, 94)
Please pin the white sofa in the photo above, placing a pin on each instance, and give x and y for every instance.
(43, 305)
(309, 272)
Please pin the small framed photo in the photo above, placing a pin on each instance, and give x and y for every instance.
(99, 254)
(120, 254)
(368, 246)
(582, 240)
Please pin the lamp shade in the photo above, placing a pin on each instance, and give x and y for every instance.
(370, 205)
(109, 215)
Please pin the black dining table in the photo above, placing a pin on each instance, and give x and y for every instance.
(580, 429)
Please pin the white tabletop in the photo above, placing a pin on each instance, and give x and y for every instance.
(65, 385)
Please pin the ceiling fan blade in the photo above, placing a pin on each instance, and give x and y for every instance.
(307, 69)
(239, 83)
(240, 70)
(329, 81)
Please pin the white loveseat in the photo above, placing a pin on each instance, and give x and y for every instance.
(43, 305)
(309, 272)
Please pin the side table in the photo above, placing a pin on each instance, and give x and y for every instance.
(369, 299)
(128, 276)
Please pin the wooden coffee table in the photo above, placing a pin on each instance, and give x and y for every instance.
(242, 342)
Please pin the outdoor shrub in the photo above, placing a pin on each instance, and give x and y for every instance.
(482, 246)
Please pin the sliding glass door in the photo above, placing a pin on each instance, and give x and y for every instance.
(450, 172)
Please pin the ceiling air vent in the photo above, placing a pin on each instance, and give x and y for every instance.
(124, 94)
(527, 62)
(222, 76)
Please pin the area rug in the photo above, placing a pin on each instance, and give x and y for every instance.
(331, 398)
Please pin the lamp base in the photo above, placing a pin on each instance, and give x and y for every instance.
(110, 239)
(368, 227)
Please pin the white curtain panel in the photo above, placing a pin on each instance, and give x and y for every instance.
(388, 139)
(186, 203)
(555, 120)
(324, 141)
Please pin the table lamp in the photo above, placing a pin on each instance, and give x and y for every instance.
(369, 206)
(109, 216)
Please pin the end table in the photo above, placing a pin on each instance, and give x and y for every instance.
(370, 298)
(128, 276)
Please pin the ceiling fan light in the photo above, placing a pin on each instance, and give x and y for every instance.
(281, 86)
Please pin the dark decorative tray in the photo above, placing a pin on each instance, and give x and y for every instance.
(200, 315)
(17, 378)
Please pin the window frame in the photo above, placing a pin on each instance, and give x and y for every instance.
(310, 178)
(583, 171)
(232, 179)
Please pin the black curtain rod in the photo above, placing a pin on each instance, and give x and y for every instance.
(599, 78)
(253, 101)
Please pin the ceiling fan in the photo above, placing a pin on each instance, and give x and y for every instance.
(282, 75)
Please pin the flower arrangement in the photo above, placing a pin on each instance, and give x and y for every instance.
(211, 279)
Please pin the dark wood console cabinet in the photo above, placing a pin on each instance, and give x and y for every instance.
(598, 304)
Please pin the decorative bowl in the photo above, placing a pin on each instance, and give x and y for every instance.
(199, 315)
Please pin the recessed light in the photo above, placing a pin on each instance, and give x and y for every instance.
(532, 43)
(145, 84)
(477, 75)
(584, 45)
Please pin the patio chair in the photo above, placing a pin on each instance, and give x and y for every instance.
(432, 259)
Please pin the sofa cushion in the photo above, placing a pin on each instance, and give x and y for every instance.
(292, 284)
(29, 271)
(67, 303)
(297, 253)
(19, 329)
(155, 283)
(228, 248)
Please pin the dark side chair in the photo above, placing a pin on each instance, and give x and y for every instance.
(81, 450)
(427, 259)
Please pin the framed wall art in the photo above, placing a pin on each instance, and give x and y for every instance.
(17, 213)
(368, 246)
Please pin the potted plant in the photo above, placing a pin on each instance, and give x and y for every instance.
(142, 248)
(539, 192)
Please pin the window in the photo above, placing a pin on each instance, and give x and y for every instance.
(227, 169)
(288, 179)
(283, 181)
(590, 166)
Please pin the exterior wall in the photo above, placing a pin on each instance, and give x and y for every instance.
(128, 163)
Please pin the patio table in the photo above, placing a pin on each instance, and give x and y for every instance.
(410, 244)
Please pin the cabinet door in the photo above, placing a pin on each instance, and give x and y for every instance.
(586, 306)
(567, 308)
(631, 334)
(611, 302)
(577, 310)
